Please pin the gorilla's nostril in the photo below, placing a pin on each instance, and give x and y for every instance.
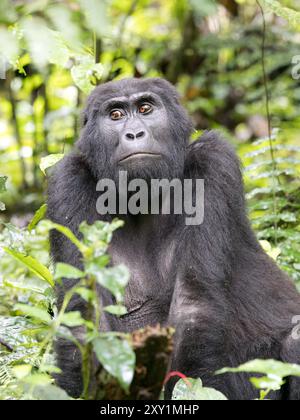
(130, 136)
(140, 134)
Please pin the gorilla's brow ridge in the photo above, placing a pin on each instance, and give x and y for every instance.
(123, 101)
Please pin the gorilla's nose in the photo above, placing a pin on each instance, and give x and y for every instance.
(134, 136)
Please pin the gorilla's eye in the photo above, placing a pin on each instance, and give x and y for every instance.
(145, 109)
(116, 115)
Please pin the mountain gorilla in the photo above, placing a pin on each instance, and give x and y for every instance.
(213, 282)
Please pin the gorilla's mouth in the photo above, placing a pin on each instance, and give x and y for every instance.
(139, 155)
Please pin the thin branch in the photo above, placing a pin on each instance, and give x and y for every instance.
(267, 94)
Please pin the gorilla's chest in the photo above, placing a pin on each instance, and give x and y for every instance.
(148, 294)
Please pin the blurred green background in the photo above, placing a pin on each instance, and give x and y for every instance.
(55, 52)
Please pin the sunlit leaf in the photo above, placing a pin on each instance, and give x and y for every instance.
(96, 13)
(49, 161)
(118, 310)
(72, 319)
(67, 271)
(85, 71)
(33, 312)
(192, 389)
(39, 215)
(117, 357)
(33, 265)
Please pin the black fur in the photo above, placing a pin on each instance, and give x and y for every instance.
(228, 300)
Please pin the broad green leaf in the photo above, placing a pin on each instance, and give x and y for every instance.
(99, 235)
(47, 224)
(114, 279)
(59, 53)
(33, 265)
(192, 389)
(33, 312)
(49, 161)
(86, 294)
(117, 357)
(118, 310)
(39, 215)
(67, 271)
(96, 16)
(273, 383)
(73, 319)
(38, 379)
(49, 392)
(45, 46)
(86, 73)
(21, 371)
(9, 45)
(273, 369)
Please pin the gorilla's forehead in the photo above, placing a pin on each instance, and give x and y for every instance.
(128, 88)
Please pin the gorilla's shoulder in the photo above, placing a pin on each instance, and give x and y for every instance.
(211, 151)
(71, 169)
(69, 182)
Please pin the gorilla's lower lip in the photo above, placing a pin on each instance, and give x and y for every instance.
(140, 155)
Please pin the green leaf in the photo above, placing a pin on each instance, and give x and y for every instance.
(33, 265)
(86, 294)
(114, 279)
(9, 45)
(39, 215)
(117, 357)
(67, 271)
(86, 73)
(49, 161)
(118, 310)
(268, 367)
(49, 393)
(44, 45)
(268, 383)
(99, 235)
(48, 225)
(192, 389)
(72, 319)
(96, 14)
(33, 312)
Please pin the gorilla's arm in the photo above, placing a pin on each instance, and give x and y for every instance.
(71, 200)
(200, 306)
(227, 289)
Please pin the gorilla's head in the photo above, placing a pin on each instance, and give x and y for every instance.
(138, 126)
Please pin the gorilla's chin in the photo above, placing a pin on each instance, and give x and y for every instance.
(148, 167)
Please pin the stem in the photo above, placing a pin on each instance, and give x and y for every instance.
(17, 130)
(267, 94)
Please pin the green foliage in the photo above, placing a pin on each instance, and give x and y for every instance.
(192, 389)
(49, 161)
(292, 16)
(29, 377)
(274, 199)
(274, 374)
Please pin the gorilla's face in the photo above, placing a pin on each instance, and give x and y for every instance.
(138, 131)
(136, 126)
